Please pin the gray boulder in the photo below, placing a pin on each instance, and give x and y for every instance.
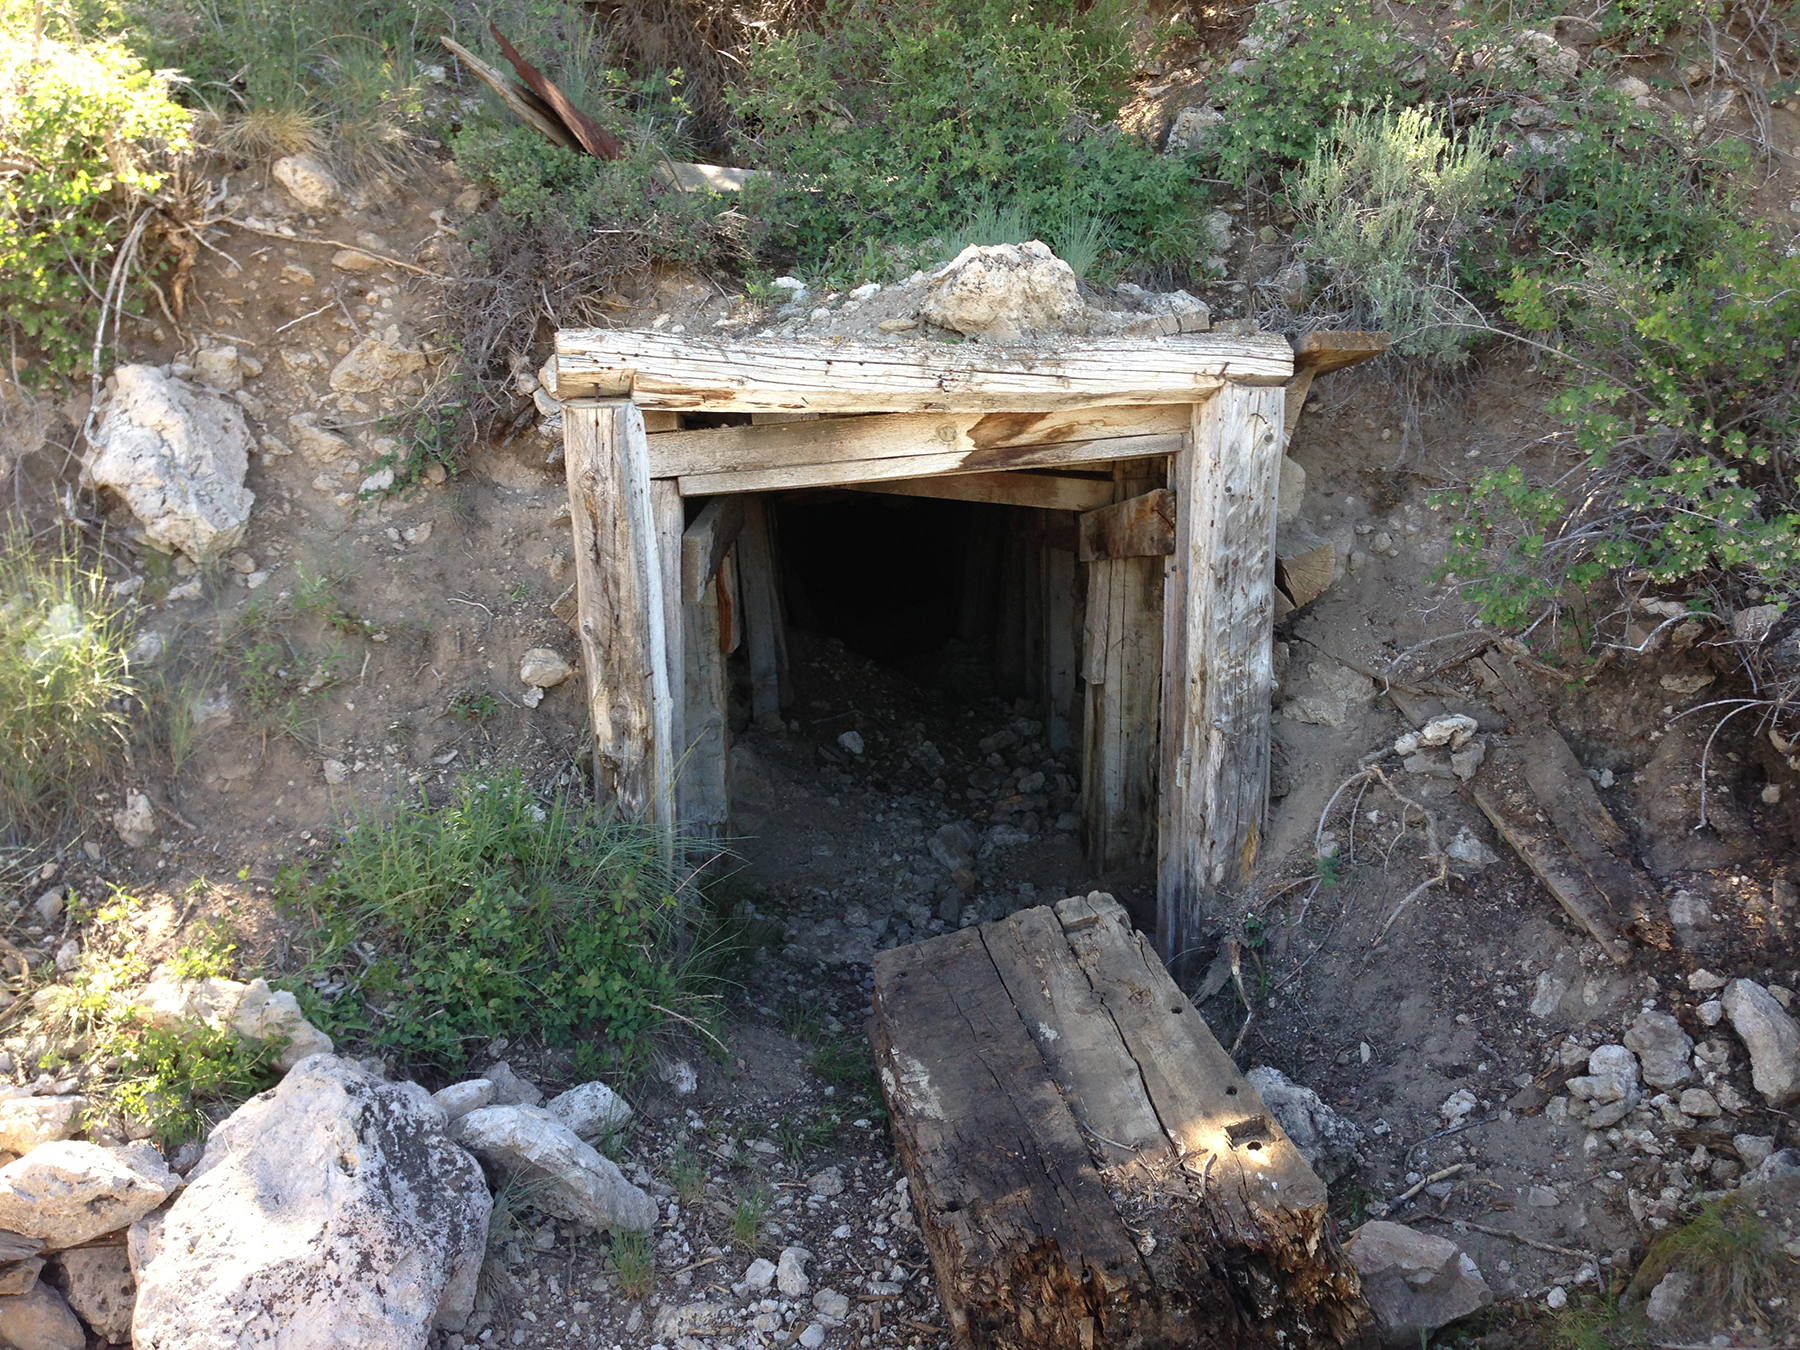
(512, 1090)
(98, 1285)
(1664, 1050)
(1770, 1035)
(26, 1122)
(332, 1210)
(1327, 1141)
(590, 1110)
(1414, 1282)
(569, 1178)
(177, 455)
(67, 1193)
(39, 1319)
(1005, 292)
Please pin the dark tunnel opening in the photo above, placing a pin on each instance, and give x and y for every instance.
(904, 581)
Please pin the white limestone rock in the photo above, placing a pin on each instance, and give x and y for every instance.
(39, 1319)
(1664, 1050)
(590, 1109)
(375, 363)
(544, 668)
(570, 1179)
(790, 1272)
(68, 1192)
(135, 821)
(459, 1099)
(1327, 1141)
(26, 1122)
(1415, 1282)
(177, 455)
(332, 1210)
(263, 1013)
(1006, 293)
(98, 1284)
(311, 183)
(1770, 1035)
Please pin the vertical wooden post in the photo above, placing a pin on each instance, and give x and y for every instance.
(708, 615)
(1219, 610)
(671, 520)
(620, 609)
(762, 610)
(1062, 633)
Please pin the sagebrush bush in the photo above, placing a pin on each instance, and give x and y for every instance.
(1384, 201)
(81, 124)
(494, 915)
(65, 681)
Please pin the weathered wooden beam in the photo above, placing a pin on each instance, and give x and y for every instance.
(658, 423)
(683, 371)
(1323, 353)
(763, 622)
(1050, 492)
(1219, 667)
(619, 582)
(1089, 1168)
(521, 101)
(836, 440)
(1142, 527)
(670, 515)
(930, 465)
(706, 542)
(701, 776)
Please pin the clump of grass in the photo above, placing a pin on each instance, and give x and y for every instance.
(65, 681)
(497, 915)
(748, 1215)
(688, 1175)
(1725, 1247)
(634, 1263)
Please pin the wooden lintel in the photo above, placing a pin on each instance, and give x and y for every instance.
(931, 465)
(1051, 492)
(688, 372)
(1323, 353)
(980, 441)
(1143, 527)
(705, 543)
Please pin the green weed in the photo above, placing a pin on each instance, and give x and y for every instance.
(1725, 1247)
(65, 681)
(495, 915)
(474, 706)
(687, 1174)
(749, 1212)
(634, 1263)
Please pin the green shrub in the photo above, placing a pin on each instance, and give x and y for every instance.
(1384, 202)
(80, 125)
(65, 681)
(888, 123)
(494, 915)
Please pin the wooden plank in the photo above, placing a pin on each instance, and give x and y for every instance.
(1052, 492)
(1121, 717)
(1297, 390)
(1052, 1092)
(763, 419)
(762, 610)
(1062, 646)
(520, 101)
(657, 423)
(705, 543)
(701, 782)
(846, 473)
(1217, 703)
(1141, 527)
(1322, 352)
(687, 371)
(731, 605)
(620, 613)
(836, 440)
(670, 516)
(1304, 565)
(1014, 1215)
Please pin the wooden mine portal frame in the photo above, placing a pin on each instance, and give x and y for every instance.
(1181, 537)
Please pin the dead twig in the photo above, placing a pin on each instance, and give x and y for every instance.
(332, 243)
(1513, 1237)
(1442, 1174)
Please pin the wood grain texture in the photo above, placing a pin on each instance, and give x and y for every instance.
(705, 543)
(762, 610)
(1140, 527)
(1323, 352)
(683, 371)
(1216, 699)
(701, 792)
(1122, 713)
(1088, 1167)
(620, 609)
(1050, 492)
(814, 441)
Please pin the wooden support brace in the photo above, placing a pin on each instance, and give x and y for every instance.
(1218, 643)
(763, 621)
(1049, 492)
(1143, 527)
(620, 579)
(706, 542)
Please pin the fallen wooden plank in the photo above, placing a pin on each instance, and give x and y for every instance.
(1143, 527)
(1089, 1168)
(705, 543)
(1323, 353)
(519, 100)
(706, 177)
(588, 134)
(1050, 492)
(847, 473)
(815, 441)
(682, 371)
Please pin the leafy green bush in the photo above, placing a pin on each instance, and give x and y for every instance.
(493, 915)
(80, 125)
(1384, 201)
(888, 124)
(65, 681)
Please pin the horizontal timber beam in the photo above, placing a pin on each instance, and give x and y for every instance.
(688, 373)
(1141, 527)
(927, 464)
(985, 440)
(1050, 492)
